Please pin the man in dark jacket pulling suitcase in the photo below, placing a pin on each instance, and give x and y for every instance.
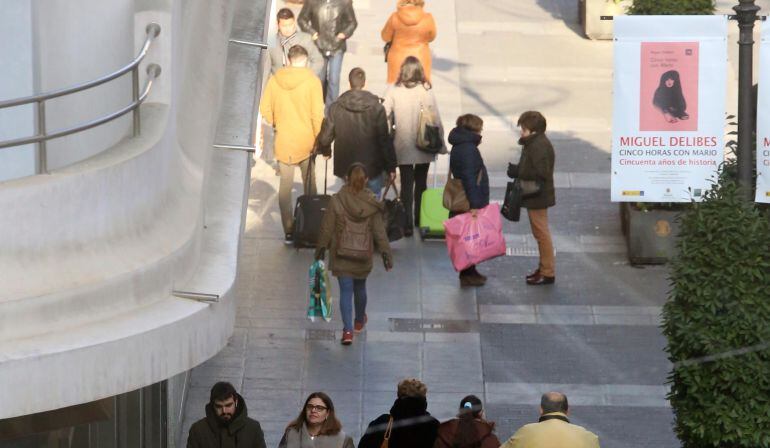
(358, 126)
(227, 424)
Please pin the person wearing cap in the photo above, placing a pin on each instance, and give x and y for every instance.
(554, 429)
(469, 430)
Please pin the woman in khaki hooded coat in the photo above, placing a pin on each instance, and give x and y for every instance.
(353, 220)
(409, 30)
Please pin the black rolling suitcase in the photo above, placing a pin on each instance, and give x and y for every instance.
(308, 213)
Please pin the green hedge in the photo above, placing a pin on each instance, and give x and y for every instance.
(672, 7)
(717, 322)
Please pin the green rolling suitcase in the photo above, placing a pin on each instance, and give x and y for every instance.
(432, 212)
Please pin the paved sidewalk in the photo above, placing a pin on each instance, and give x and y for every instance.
(593, 335)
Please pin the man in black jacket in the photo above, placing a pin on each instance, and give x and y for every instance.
(330, 23)
(227, 424)
(358, 126)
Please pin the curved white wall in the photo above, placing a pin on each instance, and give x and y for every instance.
(91, 252)
(77, 41)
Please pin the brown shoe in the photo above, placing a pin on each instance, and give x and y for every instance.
(533, 274)
(359, 326)
(541, 280)
(471, 281)
(347, 338)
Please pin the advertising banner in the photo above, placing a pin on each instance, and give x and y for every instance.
(669, 106)
(763, 119)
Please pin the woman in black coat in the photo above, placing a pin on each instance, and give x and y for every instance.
(411, 426)
(466, 164)
(536, 165)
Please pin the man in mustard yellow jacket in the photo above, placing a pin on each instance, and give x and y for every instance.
(554, 429)
(293, 104)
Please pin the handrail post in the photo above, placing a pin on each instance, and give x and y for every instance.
(42, 153)
(135, 97)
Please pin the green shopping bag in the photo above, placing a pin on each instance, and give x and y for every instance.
(320, 297)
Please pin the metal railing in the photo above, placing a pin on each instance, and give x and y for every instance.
(42, 134)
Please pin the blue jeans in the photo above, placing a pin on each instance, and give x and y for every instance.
(350, 287)
(376, 184)
(331, 79)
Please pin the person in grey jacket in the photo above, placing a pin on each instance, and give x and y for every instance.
(402, 102)
(288, 36)
(317, 426)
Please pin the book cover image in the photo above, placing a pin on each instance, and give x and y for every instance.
(669, 86)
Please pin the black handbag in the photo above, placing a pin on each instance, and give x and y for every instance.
(386, 50)
(511, 209)
(395, 215)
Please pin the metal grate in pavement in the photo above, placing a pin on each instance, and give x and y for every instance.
(521, 252)
(433, 325)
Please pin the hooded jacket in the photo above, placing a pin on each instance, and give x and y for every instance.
(279, 53)
(328, 18)
(536, 163)
(413, 426)
(466, 164)
(485, 437)
(409, 30)
(292, 103)
(358, 207)
(241, 432)
(358, 126)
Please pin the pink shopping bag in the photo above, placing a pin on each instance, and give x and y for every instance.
(472, 240)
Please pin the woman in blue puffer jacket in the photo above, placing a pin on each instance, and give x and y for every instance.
(467, 165)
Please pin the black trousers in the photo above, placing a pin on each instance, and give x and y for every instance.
(414, 181)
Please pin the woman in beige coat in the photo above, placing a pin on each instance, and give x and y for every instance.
(409, 30)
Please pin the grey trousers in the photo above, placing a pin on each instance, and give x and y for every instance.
(284, 190)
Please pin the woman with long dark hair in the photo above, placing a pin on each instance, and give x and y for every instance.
(403, 102)
(316, 426)
(469, 430)
(669, 98)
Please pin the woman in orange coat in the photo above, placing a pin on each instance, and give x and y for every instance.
(409, 30)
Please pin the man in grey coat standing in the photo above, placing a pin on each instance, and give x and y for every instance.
(288, 36)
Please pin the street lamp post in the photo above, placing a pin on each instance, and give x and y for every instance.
(746, 14)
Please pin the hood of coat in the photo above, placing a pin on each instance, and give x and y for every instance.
(289, 78)
(410, 15)
(358, 100)
(526, 141)
(407, 407)
(459, 136)
(359, 205)
(237, 422)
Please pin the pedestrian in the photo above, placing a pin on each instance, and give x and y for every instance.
(469, 430)
(554, 429)
(409, 30)
(288, 36)
(292, 103)
(358, 126)
(536, 165)
(330, 23)
(227, 422)
(467, 165)
(403, 102)
(316, 426)
(408, 425)
(351, 229)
